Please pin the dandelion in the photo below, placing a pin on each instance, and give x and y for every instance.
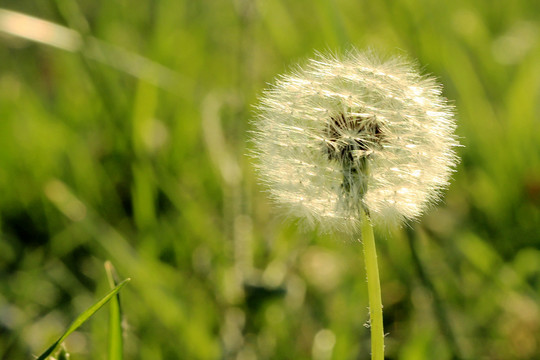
(341, 135)
(344, 142)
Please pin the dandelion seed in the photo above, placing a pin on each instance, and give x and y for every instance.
(341, 135)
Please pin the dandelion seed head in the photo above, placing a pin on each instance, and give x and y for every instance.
(343, 134)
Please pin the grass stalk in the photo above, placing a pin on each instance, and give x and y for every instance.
(116, 341)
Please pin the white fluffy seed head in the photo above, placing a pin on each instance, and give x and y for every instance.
(343, 134)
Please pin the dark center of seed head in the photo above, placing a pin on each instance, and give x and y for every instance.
(352, 138)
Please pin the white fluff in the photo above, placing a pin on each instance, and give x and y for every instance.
(305, 153)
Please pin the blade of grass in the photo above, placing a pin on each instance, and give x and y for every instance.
(35, 29)
(82, 318)
(115, 318)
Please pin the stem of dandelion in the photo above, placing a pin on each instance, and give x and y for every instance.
(374, 289)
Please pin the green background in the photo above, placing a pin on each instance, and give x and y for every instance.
(132, 148)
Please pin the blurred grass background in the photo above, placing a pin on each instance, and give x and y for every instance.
(125, 140)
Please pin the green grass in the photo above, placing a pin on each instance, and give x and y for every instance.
(115, 343)
(116, 340)
(131, 148)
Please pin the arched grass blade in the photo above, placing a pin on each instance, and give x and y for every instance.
(82, 318)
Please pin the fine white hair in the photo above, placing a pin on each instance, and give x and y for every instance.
(341, 134)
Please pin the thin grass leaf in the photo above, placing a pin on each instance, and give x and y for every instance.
(115, 318)
(64, 38)
(82, 318)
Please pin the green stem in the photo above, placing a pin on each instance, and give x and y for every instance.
(374, 289)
